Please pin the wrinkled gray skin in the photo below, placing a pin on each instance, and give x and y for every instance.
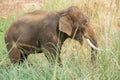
(39, 30)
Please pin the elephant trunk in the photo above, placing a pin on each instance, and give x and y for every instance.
(91, 39)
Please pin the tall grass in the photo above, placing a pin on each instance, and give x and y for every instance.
(75, 58)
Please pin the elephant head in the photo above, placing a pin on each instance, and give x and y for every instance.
(77, 25)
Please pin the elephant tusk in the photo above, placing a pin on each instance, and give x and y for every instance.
(92, 45)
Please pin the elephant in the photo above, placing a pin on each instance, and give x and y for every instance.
(41, 30)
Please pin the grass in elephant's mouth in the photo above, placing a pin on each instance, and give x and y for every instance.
(75, 59)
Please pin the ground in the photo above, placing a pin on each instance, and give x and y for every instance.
(8, 7)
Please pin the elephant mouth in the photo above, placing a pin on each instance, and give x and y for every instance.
(92, 45)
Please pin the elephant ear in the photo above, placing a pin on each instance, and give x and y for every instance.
(65, 25)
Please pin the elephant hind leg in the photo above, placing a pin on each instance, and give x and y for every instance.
(15, 55)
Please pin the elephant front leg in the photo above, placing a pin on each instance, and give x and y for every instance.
(94, 49)
(91, 39)
(53, 56)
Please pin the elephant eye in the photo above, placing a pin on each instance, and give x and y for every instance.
(85, 22)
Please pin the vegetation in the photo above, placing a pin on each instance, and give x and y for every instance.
(104, 16)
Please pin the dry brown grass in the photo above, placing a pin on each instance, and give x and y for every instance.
(7, 7)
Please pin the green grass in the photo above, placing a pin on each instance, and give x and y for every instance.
(76, 61)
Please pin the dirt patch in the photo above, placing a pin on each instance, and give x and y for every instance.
(8, 7)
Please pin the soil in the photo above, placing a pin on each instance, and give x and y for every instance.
(8, 7)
